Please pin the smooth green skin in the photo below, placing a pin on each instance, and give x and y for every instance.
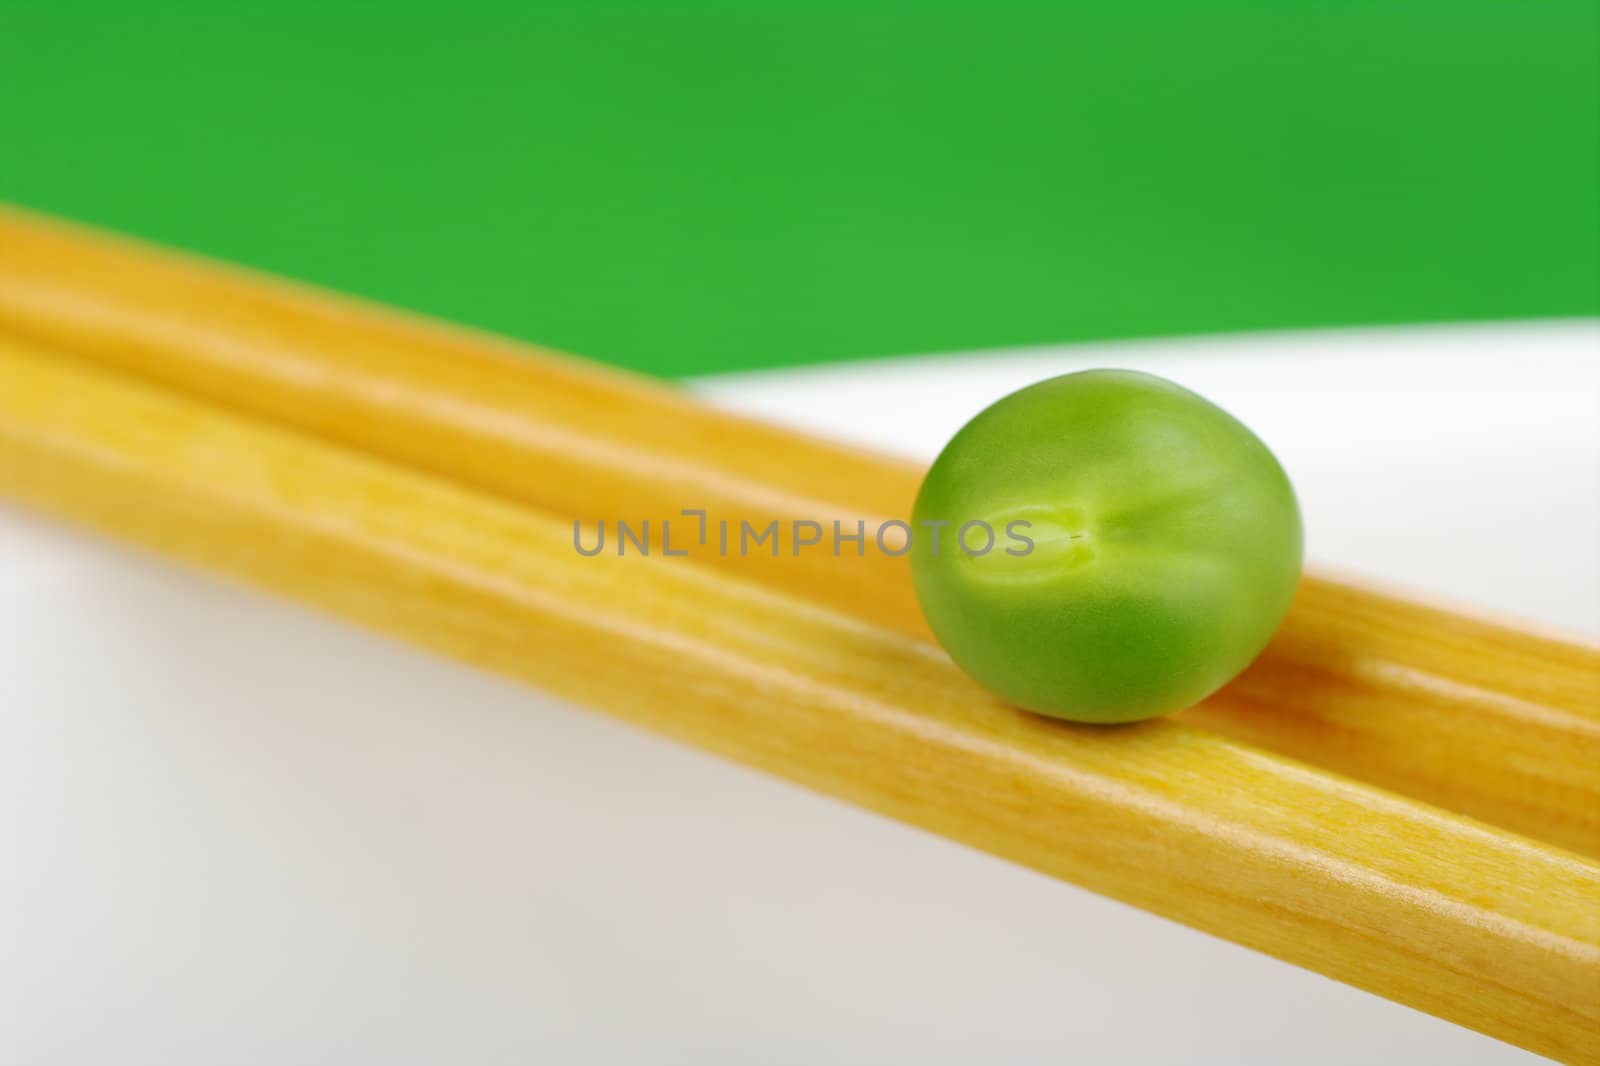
(1167, 546)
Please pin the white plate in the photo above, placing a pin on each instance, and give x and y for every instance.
(238, 832)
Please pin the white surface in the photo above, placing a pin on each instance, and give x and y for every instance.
(237, 832)
(1463, 461)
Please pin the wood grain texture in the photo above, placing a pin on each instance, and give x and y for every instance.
(1417, 904)
(1492, 721)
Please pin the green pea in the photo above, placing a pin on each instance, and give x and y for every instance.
(1145, 547)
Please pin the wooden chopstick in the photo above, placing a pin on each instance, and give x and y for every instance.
(1491, 721)
(1481, 927)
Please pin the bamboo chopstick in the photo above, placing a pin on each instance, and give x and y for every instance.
(1490, 721)
(1486, 929)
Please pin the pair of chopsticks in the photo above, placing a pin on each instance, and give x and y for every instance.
(1395, 795)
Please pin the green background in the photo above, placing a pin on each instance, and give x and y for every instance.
(692, 188)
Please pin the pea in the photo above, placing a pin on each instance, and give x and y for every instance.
(1145, 547)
